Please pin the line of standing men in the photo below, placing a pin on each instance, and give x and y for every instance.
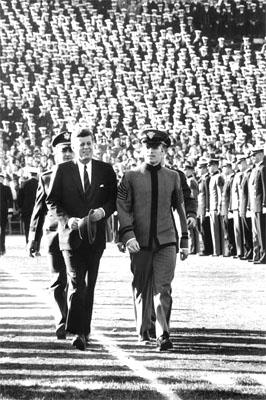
(232, 207)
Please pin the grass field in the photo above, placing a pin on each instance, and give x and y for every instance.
(218, 330)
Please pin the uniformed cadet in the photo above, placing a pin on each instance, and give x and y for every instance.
(259, 191)
(146, 197)
(226, 212)
(235, 207)
(245, 167)
(216, 183)
(40, 220)
(193, 185)
(203, 208)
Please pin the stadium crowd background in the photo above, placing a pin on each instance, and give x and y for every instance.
(195, 69)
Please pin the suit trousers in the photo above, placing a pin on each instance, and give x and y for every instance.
(82, 266)
(261, 221)
(238, 234)
(247, 234)
(153, 272)
(58, 286)
(205, 232)
(3, 236)
(216, 233)
(255, 221)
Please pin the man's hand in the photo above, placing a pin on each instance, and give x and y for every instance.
(73, 223)
(183, 254)
(33, 248)
(97, 214)
(191, 222)
(133, 246)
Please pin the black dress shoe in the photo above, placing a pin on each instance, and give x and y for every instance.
(61, 332)
(247, 256)
(164, 343)
(262, 260)
(79, 342)
(152, 332)
(145, 337)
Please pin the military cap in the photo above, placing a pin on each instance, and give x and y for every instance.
(203, 162)
(226, 163)
(188, 165)
(240, 158)
(2, 175)
(256, 150)
(61, 138)
(213, 160)
(155, 137)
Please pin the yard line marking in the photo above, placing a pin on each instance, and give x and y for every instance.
(136, 367)
(107, 343)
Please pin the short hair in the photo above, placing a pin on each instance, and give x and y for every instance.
(81, 131)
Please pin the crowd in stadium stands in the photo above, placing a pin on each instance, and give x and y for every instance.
(195, 69)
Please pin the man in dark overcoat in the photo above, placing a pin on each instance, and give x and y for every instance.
(6, 206)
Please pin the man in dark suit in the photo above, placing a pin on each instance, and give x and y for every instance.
(259, 186)
(6, 206)
(203, 208)
(146, 197)
(42, 219)
(26, 199)
(82, 195)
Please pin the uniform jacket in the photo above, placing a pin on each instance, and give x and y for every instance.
(235, 191)
(215, 191)
(243, 193)
(203, 196)
(190, 203)
(226, 196)
(134, 206)
(26, 197)
(66, 199)
(259, 187)
(6, 202)
(41, 218)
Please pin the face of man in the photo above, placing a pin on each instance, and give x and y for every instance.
(153, 154)
(63, 153)
(213, 168)
(83, 148)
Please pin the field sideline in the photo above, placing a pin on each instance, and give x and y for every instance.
(218, 330)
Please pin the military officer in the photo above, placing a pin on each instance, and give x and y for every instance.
(146, 197)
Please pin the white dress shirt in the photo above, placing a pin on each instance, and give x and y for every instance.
(81, 171)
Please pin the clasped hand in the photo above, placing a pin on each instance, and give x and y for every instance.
(97, 215)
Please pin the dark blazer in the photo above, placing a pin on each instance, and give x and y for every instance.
(66, 199)
(40, 217)
(203, 197)
(26, 197)
(6, 202)
(226, 196)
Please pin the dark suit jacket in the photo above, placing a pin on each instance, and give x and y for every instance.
(203, 197)
(26, 197)
(66, 199)
(40, 217)
(243, 194)
(6, 202)
(226, 196)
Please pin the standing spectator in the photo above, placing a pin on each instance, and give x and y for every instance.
(145, 198)
(235, 207)
(193, 185)
(82, 196)
(226, 212)
(26, 199)
(259, 191)
(216, 183)
(39, 219)
(243, 207)
(6, 207)
(203, 208)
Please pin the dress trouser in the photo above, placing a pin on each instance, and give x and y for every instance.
(3, 224)
(260, 222)
(255, 221)
(238, 233)
(153, 272)
(58, 286)
(247, 234)
(216, 233)
(205, 231)
(82, 266)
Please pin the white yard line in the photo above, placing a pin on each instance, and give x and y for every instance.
(109, 344)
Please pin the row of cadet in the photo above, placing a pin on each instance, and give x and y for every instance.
(231, 217)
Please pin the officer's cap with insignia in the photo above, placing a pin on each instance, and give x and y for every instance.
(155, 137)
(256, 150)
(63, 138)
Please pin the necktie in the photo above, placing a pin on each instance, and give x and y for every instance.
(87, 184)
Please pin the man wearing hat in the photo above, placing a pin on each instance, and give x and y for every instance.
(26, 198)
(245, 219)
(6, 206)
(193, 185)
(257, 193)
(203, 208)
(146, 197)
(42, 218)
(216, 183)
(82, 195)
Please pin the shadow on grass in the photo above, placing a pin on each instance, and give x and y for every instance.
(217, 395)
(10, 392)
